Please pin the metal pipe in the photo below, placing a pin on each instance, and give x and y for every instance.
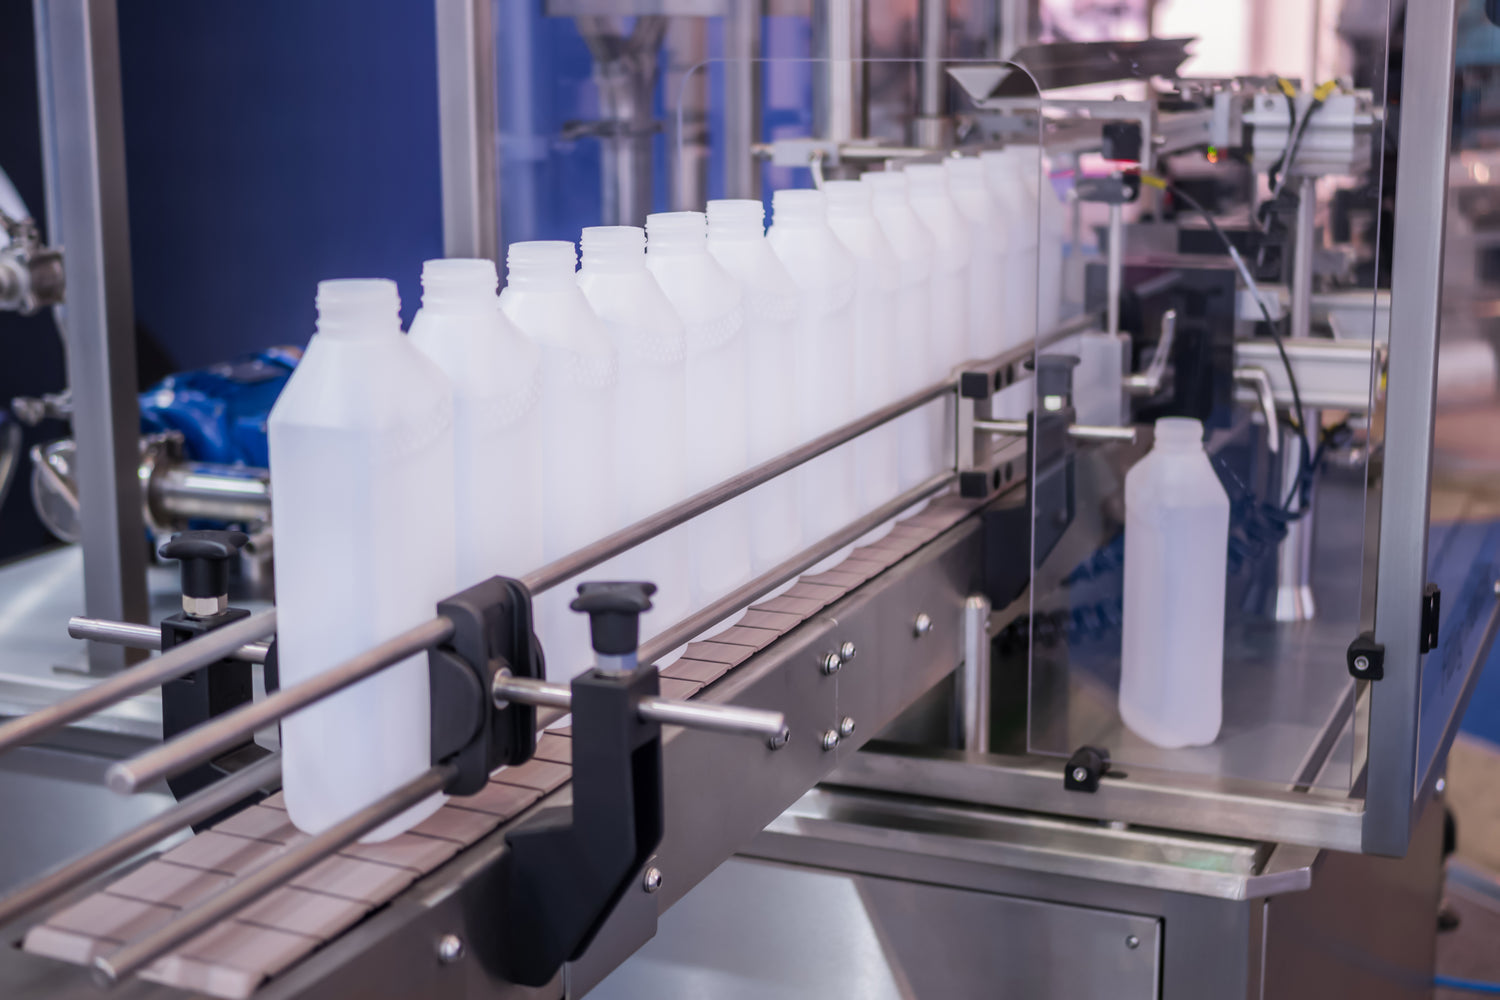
(975, 675)
(838, 35)
(209, 802)
(221, 493)
(148, 637)
(282, 869)
(1294, 595)
(1302, 257)
(466, 66)
(1082, 432)
(768, 581)
(645, 529)
(174, 663)
(732, 720)
(930, 126)
(1115, 263)
(203, 742)
(742, 104)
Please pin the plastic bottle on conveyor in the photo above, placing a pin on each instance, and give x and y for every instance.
(717, 414)
(827, 274)
(361, 448)
(579, 378)
(931, 200)
(1176, 557)
(875, 377)
(773, 305)
(919, 434)
(1017, 208)
(650, 441)
(496, 376)
(990, 330)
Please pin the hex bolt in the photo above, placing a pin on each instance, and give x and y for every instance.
(1361, 663)
(831, 739)
(651, 881)
(450, 948)
(1080, 774)
(846, 727)
(847, 651)
(830, 663)
(922, 625)
(1132, 942)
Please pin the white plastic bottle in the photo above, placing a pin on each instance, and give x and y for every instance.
(851, 216)
(953, 251)
(717, 414)
(649, 439)
(1099, 380)
(579, 376)
(1176, 554)
(773, 306)
(990, 329)
(497, 385)
(918, 434)
(361, 446)
(827, 274)
(1004, 171)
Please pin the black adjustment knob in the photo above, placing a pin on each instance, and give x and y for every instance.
(614, 611)
(205, 557)
(1054, 375)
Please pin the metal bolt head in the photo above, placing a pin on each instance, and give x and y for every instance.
(450, 948)
(846, 727)
(830, 663)
(651, 881)
(847, 651)
(1132, 942)
(1080, 774)
(780, 739)
(922, 625)
(1361, 663)
(831, 739)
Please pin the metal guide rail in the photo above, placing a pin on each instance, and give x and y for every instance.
(177, 935)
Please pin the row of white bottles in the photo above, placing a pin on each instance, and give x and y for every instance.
(520, 428)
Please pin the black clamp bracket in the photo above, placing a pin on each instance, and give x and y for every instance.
(1366, 658)
(1084, 769)
(568, 867)
(218, 687)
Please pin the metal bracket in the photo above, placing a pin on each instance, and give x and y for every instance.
(1366, 658)
(1432, 603)
(567, 868)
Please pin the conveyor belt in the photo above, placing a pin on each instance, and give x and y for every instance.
(290, 923)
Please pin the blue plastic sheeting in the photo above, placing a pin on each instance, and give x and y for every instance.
(221, 411)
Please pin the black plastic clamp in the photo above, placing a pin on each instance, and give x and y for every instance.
(1085, 768)
(1366, 658)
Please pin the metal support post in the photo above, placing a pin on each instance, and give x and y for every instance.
(839, 82)
(975, 679)
(1116, 267)
(1302, 257)
(686, 94)
(468, 124)
(742, 105)
(931, 128)
(1294, 596)
(78, 60)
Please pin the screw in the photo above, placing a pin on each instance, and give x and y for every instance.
(922, 625)
(450, 948)
(846, 727)
(831, 739)
(830, 663)
(847, 651)
(780, 739)
(1080, 774)
(1361, 663)
(1132, 942)
(651, 881)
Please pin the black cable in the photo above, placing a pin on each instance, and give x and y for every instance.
(1286, 361)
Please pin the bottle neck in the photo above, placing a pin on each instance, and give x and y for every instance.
(847, 199)
(736, 220)
(358, 308)
(1178, 435)
(542, 264)
(798, 208)
(459, 286)
(676, 234)
(614, 249)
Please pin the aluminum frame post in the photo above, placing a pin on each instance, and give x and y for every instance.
(78, 66)
(468, 128)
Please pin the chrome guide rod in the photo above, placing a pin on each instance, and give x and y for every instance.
(191, 922)
(729, 719)
(203, 742)
(1082, 432)
(174, 663)
(772, 578)
(148, 637)
(193, 809)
